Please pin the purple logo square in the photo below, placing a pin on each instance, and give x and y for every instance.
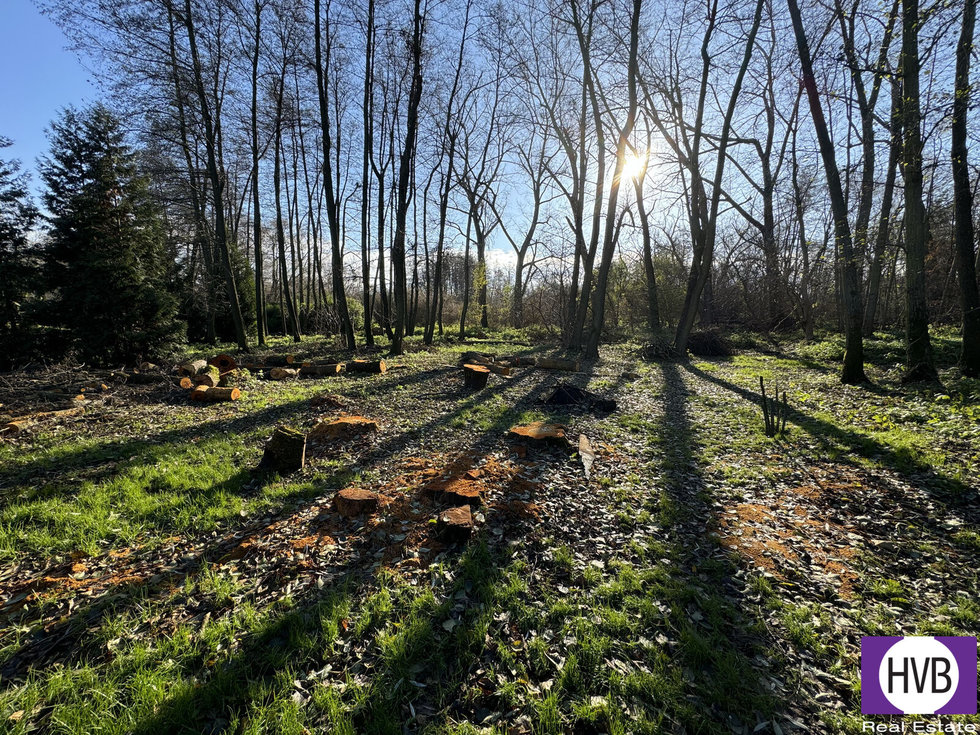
(919, 675)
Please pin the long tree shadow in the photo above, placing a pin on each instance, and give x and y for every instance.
(945, 490)
(67, 633)
(720, 630)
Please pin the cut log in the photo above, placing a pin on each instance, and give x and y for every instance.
(278, 373)
(475, 376)
(353, 501)
(539, 432)
(366, 366)
(210, 377)
(186, 383)
(475, 358)
(346, 427)
(286, 450)
(455, 525)
(207, 394)
(502, 370)
(17, 425)
(517, 361)
(224, 363)
(318, 370)
(192, 368)
(548, 363)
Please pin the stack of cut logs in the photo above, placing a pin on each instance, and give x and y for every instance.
(218, 379)
(288, 367)
(211, 381)
(478, 366)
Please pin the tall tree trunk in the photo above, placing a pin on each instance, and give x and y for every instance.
(696, 285)
(256, 205)
(963, 200)
(649, 271)
(368, 139)
(333, 202)
(406, 163)
(885, 216)
(217, 183)
(919, 360)
(292, 316)
(853, 368)
(609, 240)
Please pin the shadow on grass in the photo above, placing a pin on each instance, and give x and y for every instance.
(949, 491)
(65, 637)
(719, 629)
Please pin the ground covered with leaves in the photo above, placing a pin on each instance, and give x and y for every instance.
(702, 578)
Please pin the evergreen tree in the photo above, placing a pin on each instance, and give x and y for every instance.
(17, 262)
(106, 252)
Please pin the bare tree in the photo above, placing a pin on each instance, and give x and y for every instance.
(963, 199)
(853, 369)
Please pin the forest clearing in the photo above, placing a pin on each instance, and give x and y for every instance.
(698, 576)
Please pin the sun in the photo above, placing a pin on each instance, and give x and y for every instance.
(635, 165)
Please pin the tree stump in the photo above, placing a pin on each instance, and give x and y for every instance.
(455, 525)
(286, 450)
(346, 427)
(475, 376)
(354, 501)
(366, 366)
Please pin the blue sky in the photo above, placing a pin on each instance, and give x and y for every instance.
(37, 78)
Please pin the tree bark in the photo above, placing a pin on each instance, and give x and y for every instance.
(853, 368)
(963, 200)
(919, 361)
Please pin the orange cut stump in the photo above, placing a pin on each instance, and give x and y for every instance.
(346, 427)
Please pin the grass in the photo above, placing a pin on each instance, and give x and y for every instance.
(530, 632)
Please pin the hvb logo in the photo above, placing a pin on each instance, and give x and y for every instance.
(919, 676)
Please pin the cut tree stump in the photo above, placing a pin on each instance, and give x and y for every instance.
(475, 376)
(366, 366)
(346, 427)
(539, 432)
(354, 501)
(318, 370)
(458, 490)
(192, 368)
(207, 394)
(286, 450)
(455, 525)
(279, 373)
(224, 363)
